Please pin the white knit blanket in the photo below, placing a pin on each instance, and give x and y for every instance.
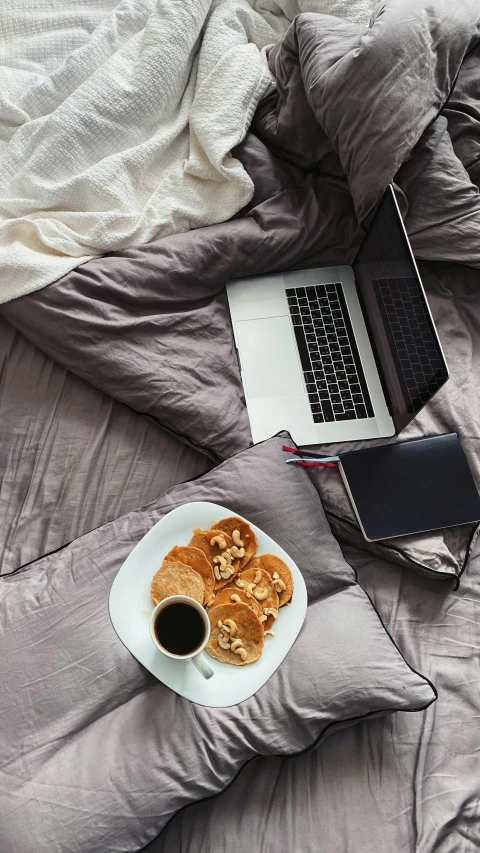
(117, 118)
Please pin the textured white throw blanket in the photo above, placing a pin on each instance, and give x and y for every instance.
(117, 118)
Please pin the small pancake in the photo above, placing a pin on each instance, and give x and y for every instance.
(228, 525)
(271, 601)
(196, 559)
(224, 597)
(272, 564)
(176, 579)
(201, 539)
(250, 631)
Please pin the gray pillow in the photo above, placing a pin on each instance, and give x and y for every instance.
(96, 754)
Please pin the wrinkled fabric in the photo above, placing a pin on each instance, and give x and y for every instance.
(90, 731)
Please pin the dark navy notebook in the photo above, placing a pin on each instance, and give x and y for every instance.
(410, 487)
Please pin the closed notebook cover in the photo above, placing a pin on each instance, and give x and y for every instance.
(410, 487)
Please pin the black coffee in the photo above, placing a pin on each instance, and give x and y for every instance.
(179, 628)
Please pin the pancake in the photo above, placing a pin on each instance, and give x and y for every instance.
(272, 565)
(196, 559)
(266, 582)
(249, 631)
(228, 525)
(224, 597)
(176, 579)
(201, 539)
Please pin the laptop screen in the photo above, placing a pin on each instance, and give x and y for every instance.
(404, 339)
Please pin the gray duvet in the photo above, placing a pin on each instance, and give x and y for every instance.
(355, 108)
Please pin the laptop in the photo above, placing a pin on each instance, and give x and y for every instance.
(339, 353)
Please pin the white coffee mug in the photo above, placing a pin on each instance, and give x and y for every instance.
(196, 657)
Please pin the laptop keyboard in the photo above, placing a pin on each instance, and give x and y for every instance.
(328, 352)
(407, 320)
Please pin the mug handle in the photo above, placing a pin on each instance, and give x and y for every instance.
(204, 668)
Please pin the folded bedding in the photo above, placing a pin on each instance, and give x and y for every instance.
(90, 732)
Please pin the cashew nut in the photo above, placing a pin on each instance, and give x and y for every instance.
(241, 584)
(227, 572)
(236, 645)
(221, 562)
(266, 633)
(218, 540)
(242, 652)
(279, 585)
(236, 598)
(258, 576)
(216, 572)
(231, 626)
(223, 644)
(263, 618)
(236, 538)
(275, 576)
(270, 611)
(260, 593)
(237, 553)
(250, 588)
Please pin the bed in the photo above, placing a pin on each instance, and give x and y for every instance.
(106, 416)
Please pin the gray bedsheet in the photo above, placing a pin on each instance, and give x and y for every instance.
(71, 458)
(405, 784)
(409, 784)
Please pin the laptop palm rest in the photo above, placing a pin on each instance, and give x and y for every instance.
(269, 358)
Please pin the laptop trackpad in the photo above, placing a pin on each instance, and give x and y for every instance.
(269, 357)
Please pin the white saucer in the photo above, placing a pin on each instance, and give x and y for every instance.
(131, 606)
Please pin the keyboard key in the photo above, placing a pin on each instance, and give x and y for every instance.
(311, 389)
(312, 348)
(319, 374)
(347, 416)
(314, 398)
(296, 320)
(322, 341)
(351, 371)
(361, 411)
(338, 409)
(332, 339)
(309, 377)
(311, 293)
(290, 291)
(324, 395)
(301, 291)
(317, 315)
(334, 348)
(335, 398)
(337, 315)
(324, 303)
(341, 374)
(335, 305)
(316, 407)
(332, 386)
(312, 339)
(337, 359)
(329, 371)
(314, 305)
(324, 350)
(318, 418)
(302, 347)
(327, 411)
(345, 395)
(308, 327)
(347, 405)
(357, 398)
(304, 312)
(322, 385)
(343, 385)
(355, 389)
(327, 359)
(329, 329)
(292, 300)
(343, 341)
(330, 288)
(321, 291)
(303, 301)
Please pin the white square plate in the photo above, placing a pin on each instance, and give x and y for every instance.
(131, 606)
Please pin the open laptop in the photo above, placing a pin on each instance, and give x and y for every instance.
(339, 353)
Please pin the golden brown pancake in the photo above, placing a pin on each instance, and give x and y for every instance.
(265, 583)
(223, 596)
(273, 564)
(196, 559)
(228, 525)
(176, 579)
(201, 539)
(249, 631)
